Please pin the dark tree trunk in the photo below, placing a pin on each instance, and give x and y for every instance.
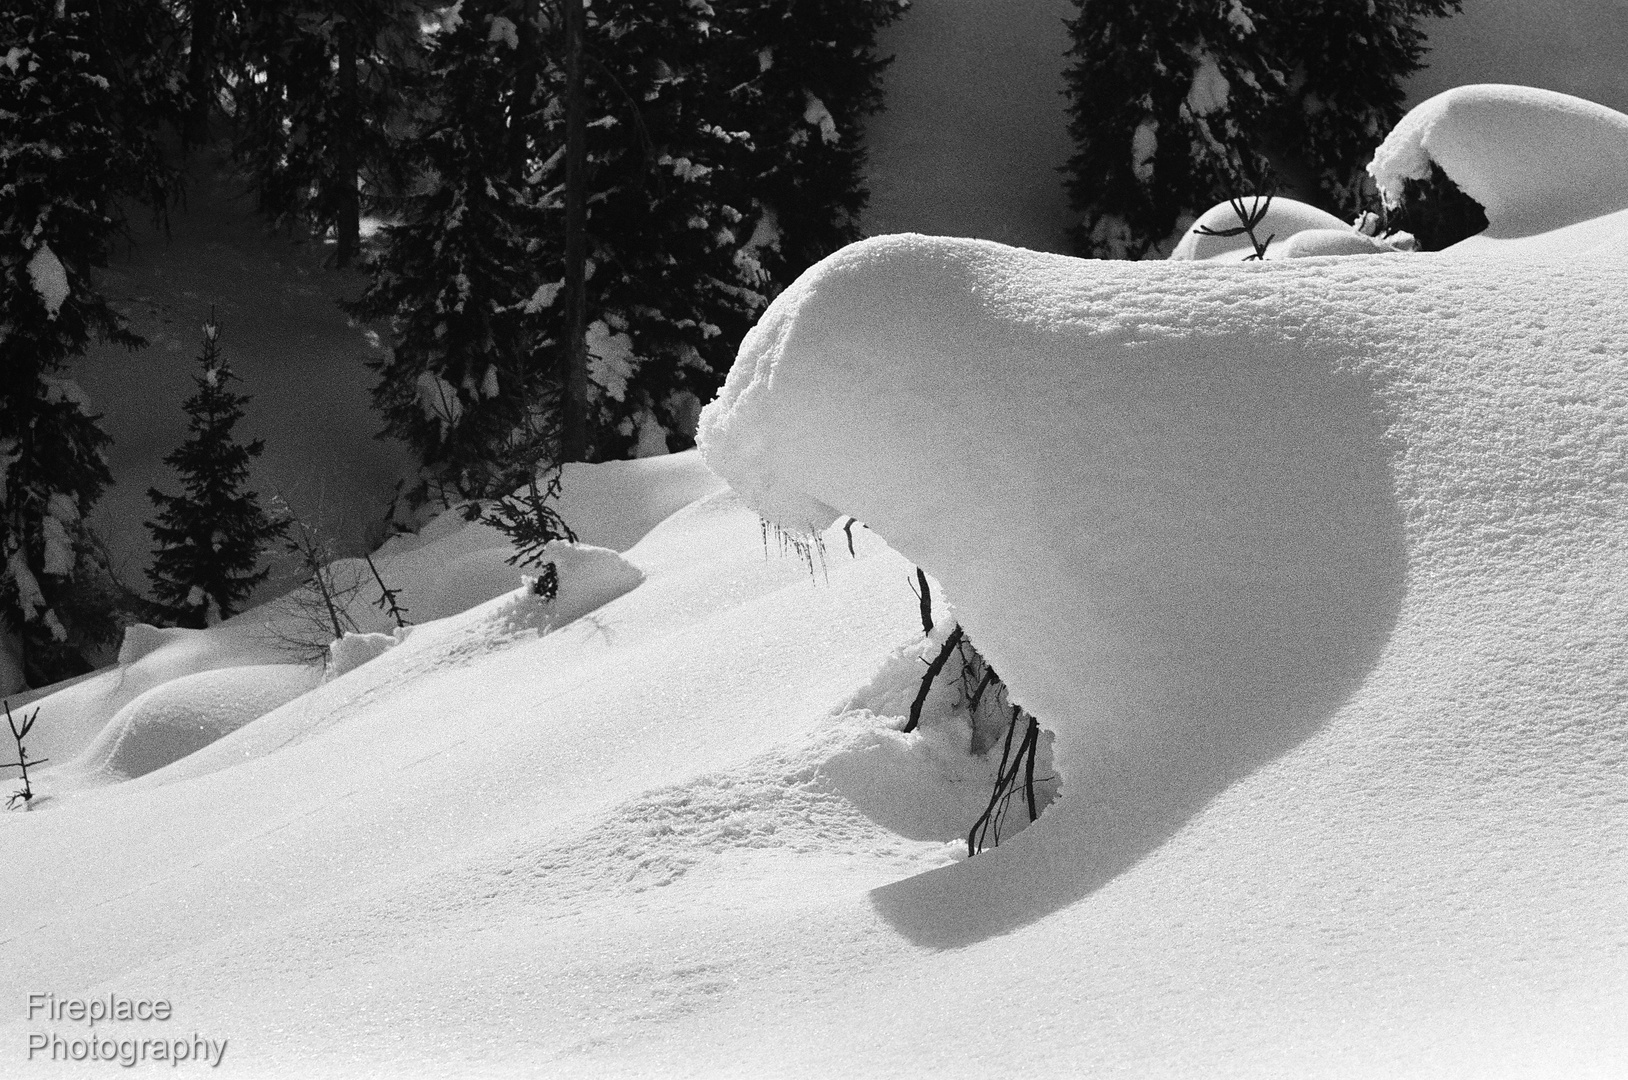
(347, 220)
(201, 67)
(574, 436)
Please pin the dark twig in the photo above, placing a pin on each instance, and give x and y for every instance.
(978, 694)
(926, 598)
(975, 839)
(1006, 784)
(1249, 219)
(1033, 738)
(22, 762)
(848, 530)
(933, 670)
(387, 596)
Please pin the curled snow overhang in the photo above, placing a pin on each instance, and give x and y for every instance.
(1535, 160)
(1148, 499)
(1196, 516)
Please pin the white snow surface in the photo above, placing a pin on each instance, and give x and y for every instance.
(1315, 568)
(183, 715)
(1536, 160)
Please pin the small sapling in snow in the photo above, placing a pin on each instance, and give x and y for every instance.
(531, 524)
(1249, 218)
(321, 605)
(387, 601)
(19, 732)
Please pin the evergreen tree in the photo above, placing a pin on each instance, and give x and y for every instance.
(314, 87)
(721, 159)
(1179, 104)
(67, 148)
(210, 538)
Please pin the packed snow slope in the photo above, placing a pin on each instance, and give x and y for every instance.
(1315, 567)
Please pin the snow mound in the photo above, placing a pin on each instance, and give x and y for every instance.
(1536, 160)
(1314, 243)
(353, 650)
(72, 714)
(1197, 516)
(1207, 492)
(183, 716)
(1284, 218)
(367, 665)
(453, 564)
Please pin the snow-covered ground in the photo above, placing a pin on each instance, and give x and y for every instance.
(1314, 568)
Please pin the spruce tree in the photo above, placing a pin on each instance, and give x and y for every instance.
(68, 147)
(314, 87)
(211, 537)
(1179, 104)
(722, 158)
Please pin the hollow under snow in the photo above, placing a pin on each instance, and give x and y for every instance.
(1316, 568)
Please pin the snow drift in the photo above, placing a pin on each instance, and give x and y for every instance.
(1197, 515)
(1535, 160)
(1316, 568)
(182, 716)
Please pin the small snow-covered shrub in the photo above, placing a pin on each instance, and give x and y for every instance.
(321, 605)
(531, 524)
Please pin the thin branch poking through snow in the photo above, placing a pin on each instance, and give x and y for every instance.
(933, 669)
(926, 598)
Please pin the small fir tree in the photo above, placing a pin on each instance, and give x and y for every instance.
(211, 537)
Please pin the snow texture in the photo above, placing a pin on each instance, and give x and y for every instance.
(815, 112)
(49, 277)
(1534, 159)
(611, 362)
(1209, 90)
(1144, 146)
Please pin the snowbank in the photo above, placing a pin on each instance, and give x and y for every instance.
(449, 567)
(72, 715)
(1328, 554)
(1104, 480)
(1534, 159)
(452, 564)
(1316, 568)
(182, 716)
